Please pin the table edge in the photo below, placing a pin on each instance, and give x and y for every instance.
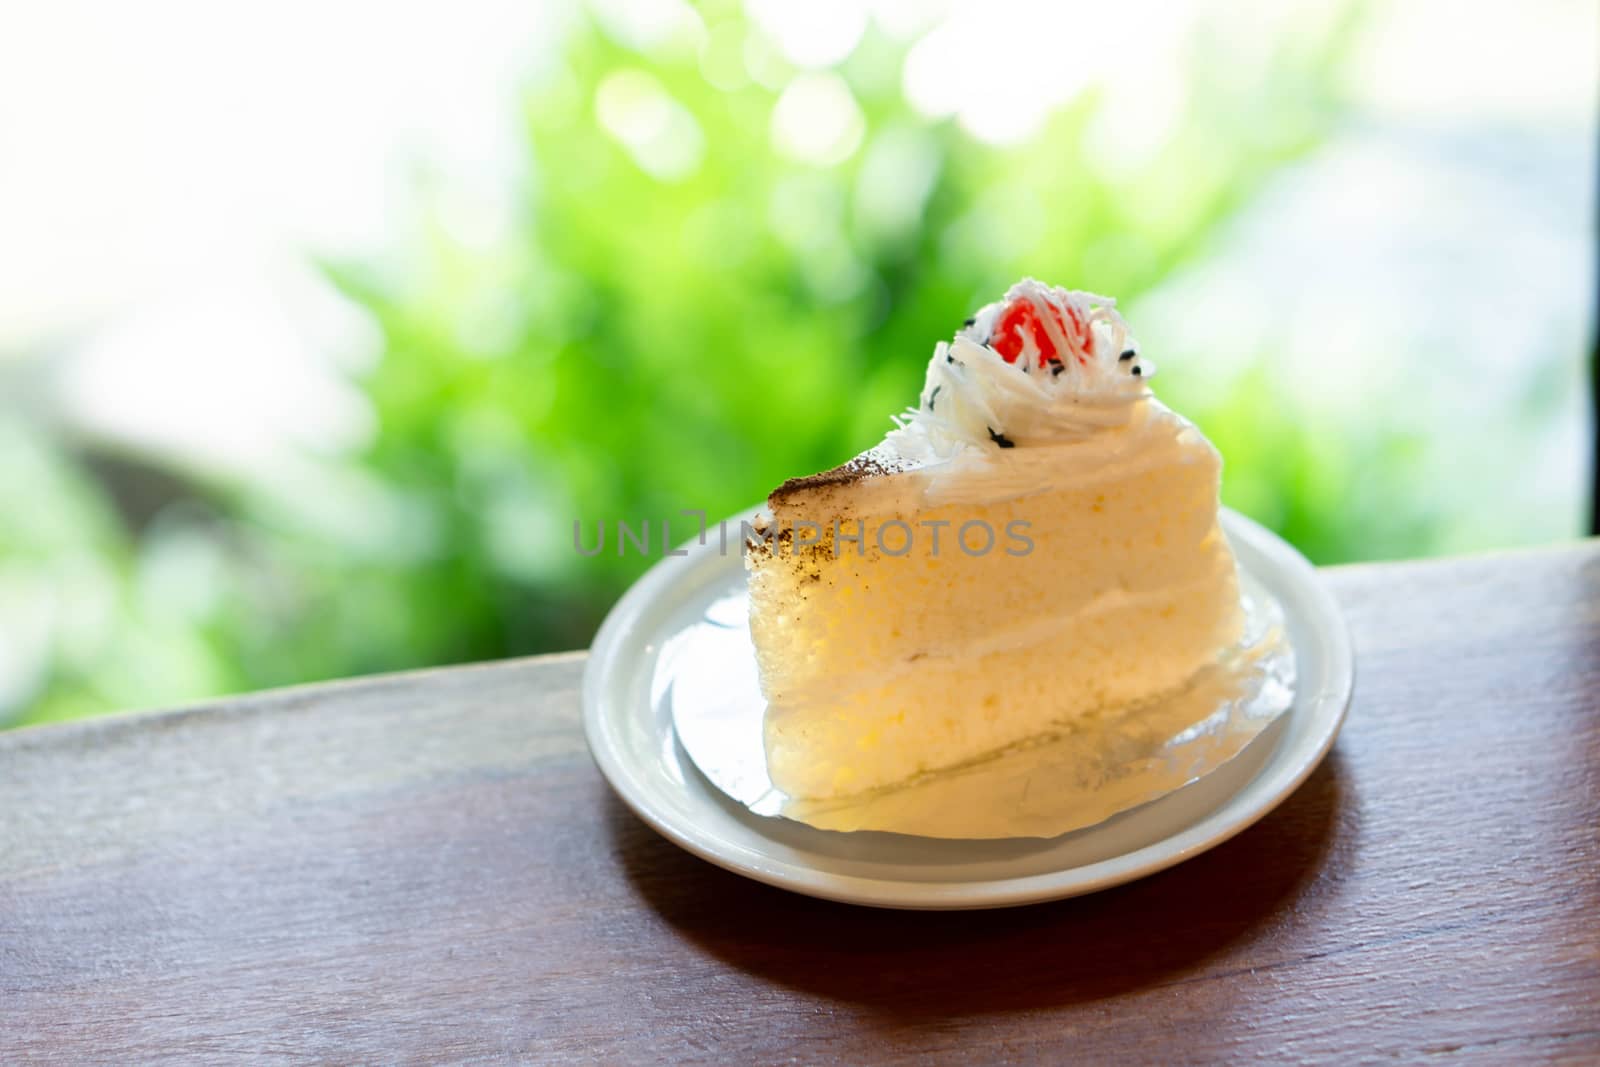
(253, 700)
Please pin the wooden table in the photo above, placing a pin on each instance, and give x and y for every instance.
(427, 867)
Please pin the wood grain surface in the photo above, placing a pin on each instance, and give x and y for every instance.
(428, 868)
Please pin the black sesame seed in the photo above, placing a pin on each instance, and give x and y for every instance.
(1129, 354)
(933, 396)
(948, 358)
(970, 322)
(1137, 371)
(1001, 439)
(1057, 369)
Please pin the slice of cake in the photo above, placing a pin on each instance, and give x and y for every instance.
(1036, 542)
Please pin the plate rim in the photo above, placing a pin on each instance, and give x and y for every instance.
(1275, 782)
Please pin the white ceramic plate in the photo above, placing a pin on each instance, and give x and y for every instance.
(630, 733)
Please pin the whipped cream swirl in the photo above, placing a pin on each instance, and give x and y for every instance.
(1043, 365)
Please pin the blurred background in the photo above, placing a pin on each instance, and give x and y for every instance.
(321, 324)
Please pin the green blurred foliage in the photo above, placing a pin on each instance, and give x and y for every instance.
(637, 345)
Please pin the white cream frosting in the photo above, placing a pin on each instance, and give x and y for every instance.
(974, 398)
(1149, 435)
(990, 430)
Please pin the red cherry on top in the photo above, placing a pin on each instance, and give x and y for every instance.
(1020, 319)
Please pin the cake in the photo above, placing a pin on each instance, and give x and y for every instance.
(1034, 544)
